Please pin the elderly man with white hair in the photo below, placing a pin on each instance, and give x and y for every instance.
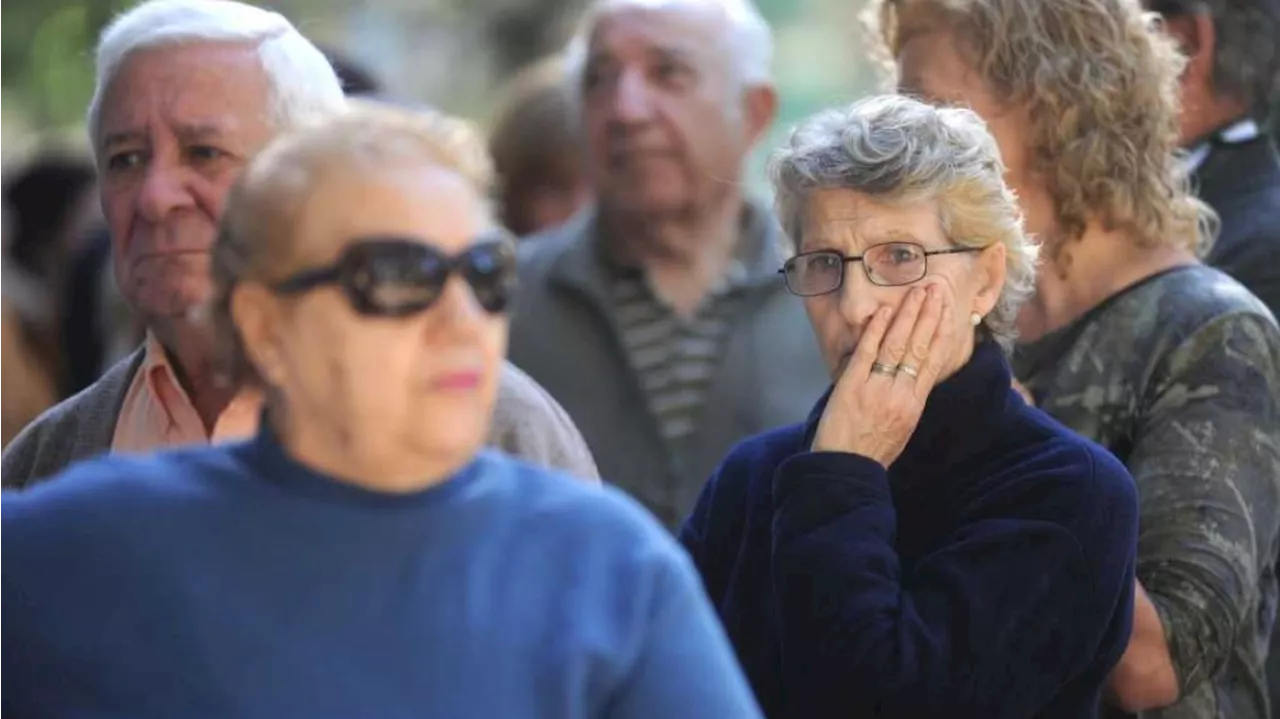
(187, 92)
(657, 317)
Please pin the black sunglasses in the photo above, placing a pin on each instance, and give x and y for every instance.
(890, 264)
(395, 277)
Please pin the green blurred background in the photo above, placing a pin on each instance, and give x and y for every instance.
(453, 54)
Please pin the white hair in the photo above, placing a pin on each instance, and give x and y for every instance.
(749, 42)
(902, 151)
(302, 82)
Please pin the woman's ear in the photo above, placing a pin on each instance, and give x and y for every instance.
(990, 269)
(255, 313)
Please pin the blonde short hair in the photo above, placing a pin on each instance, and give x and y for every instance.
(902, 151)
(1099, 82)
(256, 238)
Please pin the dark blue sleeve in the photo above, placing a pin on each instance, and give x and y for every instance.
(988, 626)
(713, 533)
(696, 537)
(686, 668)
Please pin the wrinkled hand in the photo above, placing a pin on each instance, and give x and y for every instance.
(871, 413)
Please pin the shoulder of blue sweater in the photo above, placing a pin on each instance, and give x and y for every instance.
(120, 488)
(550, 494)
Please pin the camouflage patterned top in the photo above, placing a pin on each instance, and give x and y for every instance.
(1179, 376)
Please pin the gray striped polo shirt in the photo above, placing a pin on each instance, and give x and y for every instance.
(675, 356)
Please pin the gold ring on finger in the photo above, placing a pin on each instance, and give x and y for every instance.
(909, 371)
(885, 369)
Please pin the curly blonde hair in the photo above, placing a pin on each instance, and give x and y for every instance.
(899, 150)
(256, 238)
(1099, 83)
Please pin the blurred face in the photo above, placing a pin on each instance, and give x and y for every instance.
(664, 120)
(932, 67)
(177, 126)
(381, 388)
(546, 201)
(855, 225)
(84, 218)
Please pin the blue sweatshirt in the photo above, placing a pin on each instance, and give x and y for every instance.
(988, 574)
(234, 582)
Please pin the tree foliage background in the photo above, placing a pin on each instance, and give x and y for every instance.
(452, 54)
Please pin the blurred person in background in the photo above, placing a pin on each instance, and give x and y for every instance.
(1129, 339)
(658, 318)
(99, 328)
(537, 147)
(1231, 78)
(187, 92)
(362, 555)
(357, 80)
(49, 206)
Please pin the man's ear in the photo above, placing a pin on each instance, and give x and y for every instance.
(759, 110)
(1198, 41)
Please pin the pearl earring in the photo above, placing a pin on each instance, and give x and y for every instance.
(975, 319)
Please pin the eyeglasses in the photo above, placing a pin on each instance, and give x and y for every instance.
(395, 277)
(888, 265)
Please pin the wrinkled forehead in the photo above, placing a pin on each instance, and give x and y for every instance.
(697, 29)
(852, 221)
(340, 202)
(196, 89)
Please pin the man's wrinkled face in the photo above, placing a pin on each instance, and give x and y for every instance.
(176, 128)
(662, 111)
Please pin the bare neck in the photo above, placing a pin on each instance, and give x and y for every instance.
(335, 449)
(1088, 271)
(191, 349)
(684, 257)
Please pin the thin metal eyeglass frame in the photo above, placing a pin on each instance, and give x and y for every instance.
(848, 259)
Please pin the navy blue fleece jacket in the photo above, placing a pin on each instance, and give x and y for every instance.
(987, 574)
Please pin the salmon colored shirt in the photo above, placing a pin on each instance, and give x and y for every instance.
(157, 412)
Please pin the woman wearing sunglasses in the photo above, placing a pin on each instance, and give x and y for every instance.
(362, 556)
(926, 544)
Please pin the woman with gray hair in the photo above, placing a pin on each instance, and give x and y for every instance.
(926, 544)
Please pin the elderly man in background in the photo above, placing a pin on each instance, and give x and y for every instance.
(1231, 79)
(657, 317)
(187, 92)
